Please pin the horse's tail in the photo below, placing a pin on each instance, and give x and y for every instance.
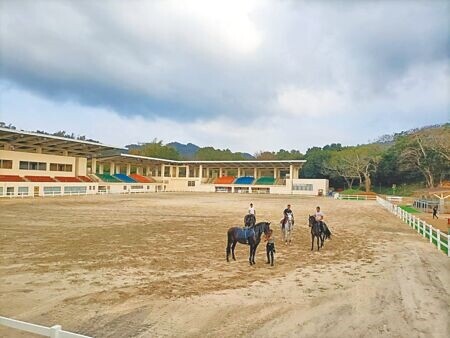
(326, 231)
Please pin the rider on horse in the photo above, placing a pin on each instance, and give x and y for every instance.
(319, 218)
(286, 212)
(250, 218)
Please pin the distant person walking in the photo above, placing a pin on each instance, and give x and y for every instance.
(435, 210)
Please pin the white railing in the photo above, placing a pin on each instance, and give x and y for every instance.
(356, 197)
(52, 332)
(19, 195)
(395, 198)
(436, 237)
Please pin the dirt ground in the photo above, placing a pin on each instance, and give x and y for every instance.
(154, 266)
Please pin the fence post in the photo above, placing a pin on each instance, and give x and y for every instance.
(54, 331)
(438, 235)
(431, 234)
(448, 245)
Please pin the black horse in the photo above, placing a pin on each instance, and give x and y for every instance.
(321, 231)
(316, 231)
(249, 220)
(249, 236)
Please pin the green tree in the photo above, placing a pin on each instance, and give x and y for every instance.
(427, 151)
(211, 154)
(156, 149)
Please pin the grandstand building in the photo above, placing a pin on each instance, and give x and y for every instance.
(33, 164)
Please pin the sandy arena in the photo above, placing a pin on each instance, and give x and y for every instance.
(154, 266)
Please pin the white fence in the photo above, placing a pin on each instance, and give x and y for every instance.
(424, 229)
(355, 197)
(52, 332)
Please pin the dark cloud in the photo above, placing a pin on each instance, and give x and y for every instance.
(199, 62)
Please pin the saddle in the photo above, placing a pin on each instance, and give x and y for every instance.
(244, 234)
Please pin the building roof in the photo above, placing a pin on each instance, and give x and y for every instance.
(18, 140)
(144, 160)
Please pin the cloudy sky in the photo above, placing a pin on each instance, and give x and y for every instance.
(243, 75)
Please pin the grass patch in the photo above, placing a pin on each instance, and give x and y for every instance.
(409, 209)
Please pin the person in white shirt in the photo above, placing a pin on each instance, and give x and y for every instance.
(251, 210)
(319, 217)
(250, 218)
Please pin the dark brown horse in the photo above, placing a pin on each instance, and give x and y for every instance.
(250, 236)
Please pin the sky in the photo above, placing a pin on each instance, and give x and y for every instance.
(244, 75)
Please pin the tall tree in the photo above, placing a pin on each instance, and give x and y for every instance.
(428, 151)
(156, 149)
(358, 162)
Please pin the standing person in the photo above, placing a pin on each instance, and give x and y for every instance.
(270, 247)
(435, 210)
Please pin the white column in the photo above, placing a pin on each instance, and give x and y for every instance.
(128, 169)
(255, 172)
(177, 171)
(239, 172)
(112, 168)
(94, 165)
(220, 172)
(163, 170)
(207, 172)
(200, 171)
(187, 171)
(291, 171)
(100, 168)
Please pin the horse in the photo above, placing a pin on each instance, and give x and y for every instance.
(249, 236)
(249, 220)
(287, 225)
(316, 231)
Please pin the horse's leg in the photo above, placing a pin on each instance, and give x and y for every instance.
(254, 253)
(232, 249)
(271, 256)
(228, 250)
(318, 247)
(250, 254)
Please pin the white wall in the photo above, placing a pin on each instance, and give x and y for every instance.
(17, 156)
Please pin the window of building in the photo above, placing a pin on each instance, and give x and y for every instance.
(302, 187)
(25, 165)
(74, 190)
(9, 191)
(22, 191)
(52, 190)
(5, 164)
(60, 167)
(191, 183)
